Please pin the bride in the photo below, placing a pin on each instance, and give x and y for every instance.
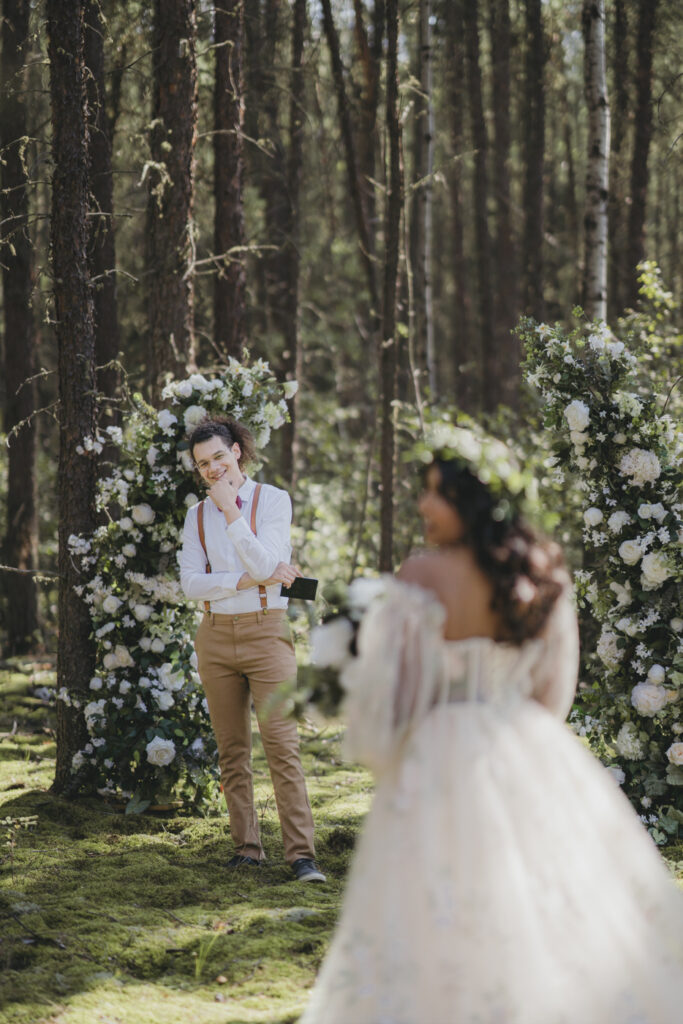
(501, 877)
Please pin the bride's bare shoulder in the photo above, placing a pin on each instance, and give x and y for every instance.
(431, 568)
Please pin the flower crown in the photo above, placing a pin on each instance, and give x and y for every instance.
(493, 463)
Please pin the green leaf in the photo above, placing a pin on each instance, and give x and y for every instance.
(136, 804)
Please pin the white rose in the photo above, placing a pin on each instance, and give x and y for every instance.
(95, 683)
(607, 649)
(290, 388)
(142, 612)
(129, 550)
(122, 657)
(658, 512)
(330, 643)
(657, 674)
(157, 645)
(648, 699)
(199, 382)
(126, 523)
(592, 516)
(577, 438)
(191, 500)
(677, 625)
(124, 687)
(151, 456)
(111, 604)
(620, 438)
(655, 569)
(164, 699)
(577, 415)
(626, 626)
(143, 514)
(622, 593)
(184, 389)
(169, 679)
(641, 466)
(675, 753)
(194, 414)
(160, 752)
(630, 551)
(166, 419)
(185, 460)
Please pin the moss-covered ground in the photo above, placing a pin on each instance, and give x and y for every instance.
(126, 919)
(108, 918)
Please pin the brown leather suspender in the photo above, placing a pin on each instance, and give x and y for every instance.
(262, 593)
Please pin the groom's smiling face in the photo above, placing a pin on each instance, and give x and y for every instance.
(214, 458)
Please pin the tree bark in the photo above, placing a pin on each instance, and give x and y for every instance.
(230, 281)
(21, 540)
(370, 56)
(171, 191)
(616, 202)
(506, 308)
(462, 355)
(76, 361)
(292, 360)
(489, 370)
(389, 347)
(647, 12)
(597, 164)
(422, 203)
(102, 238)
(534, 146)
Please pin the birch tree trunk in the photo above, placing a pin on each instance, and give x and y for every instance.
(76, 363)
(230, 282)
(647, 12)
(389, 346)
(618, 173)
(170, 204)
(597, 164)
(16, 255)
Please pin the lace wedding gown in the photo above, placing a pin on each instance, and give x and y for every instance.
(501, 877)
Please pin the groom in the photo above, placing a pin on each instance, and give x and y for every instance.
(234, 558)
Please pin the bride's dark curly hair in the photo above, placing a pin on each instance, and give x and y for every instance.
(526, 569)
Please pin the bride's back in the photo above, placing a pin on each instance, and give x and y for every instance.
(453, 575)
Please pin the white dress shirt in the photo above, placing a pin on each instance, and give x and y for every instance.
(233, 550)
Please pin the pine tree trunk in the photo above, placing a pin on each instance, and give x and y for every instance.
(76, 361)
(292, 357)
(489, 376)
(462, 354)
(534, 146)
(389, 347)
(597, 164)
(616, 203)
(230, 281)
(170, 175)
(102, 238)
(506, 310)
(647, 12)
(16, 255)
(371, 57)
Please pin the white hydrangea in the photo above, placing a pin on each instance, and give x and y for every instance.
(642, 466)
(617, 773)
(142, 612)
(630, 551)
(194, 414)
(577, 415)
(607, 650)
(111, 604)
(166, 419)
(655, 569)
(656, 674)
(617, 521)
(592, 516)
(143, 514)
(648, 699)
(95, 683)
(151, 455)
(628, 743)
(200, 383)
(330, 643)
(129, 550)
(160, 752)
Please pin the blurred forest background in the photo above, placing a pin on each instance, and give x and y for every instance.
(366, 193)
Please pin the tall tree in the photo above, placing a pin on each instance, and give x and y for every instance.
(616, 202)
(21, 540)
(102, 237)
(462, 356)
(230, 281)
(490, 378)
(389, 346)
(505, 258)
(597, 164)
(75, 330)
(642, 136)
(422, 204)
(369, 46)
(534, 148)
(172, 138)
(292, 356)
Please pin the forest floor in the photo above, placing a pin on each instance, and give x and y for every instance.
(107, 918)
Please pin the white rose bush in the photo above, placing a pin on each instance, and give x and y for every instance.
(150, 739)
(613, 435)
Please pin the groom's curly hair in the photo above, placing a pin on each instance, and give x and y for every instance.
(229, 430)
(527, 570)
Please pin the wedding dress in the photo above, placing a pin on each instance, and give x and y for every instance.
(501, 876)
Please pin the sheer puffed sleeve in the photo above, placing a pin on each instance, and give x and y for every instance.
(397, 676)
(554, 673)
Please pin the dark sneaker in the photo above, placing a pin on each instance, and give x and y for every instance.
(307, 871)
(240, 861)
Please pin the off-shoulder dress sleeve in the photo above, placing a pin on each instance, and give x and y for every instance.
(397, 676)
(555, 671)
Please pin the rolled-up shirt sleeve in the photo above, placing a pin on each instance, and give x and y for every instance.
(197, 584)
(261, 554)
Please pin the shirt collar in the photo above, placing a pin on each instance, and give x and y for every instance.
(247, 489)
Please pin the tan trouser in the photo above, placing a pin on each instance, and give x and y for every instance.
(242, 658)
